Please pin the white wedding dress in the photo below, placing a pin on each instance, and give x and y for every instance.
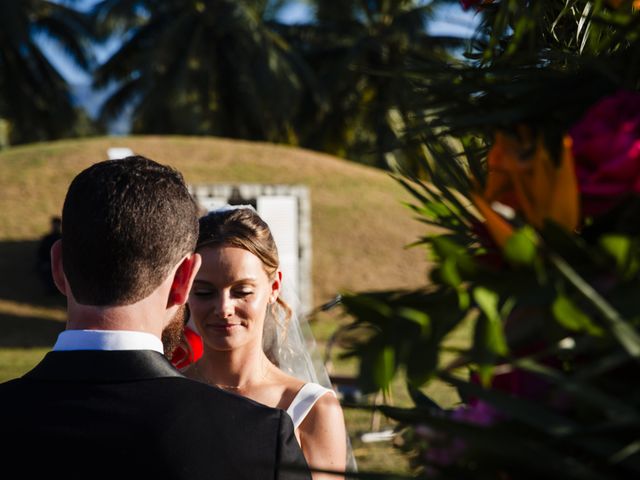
(304, 401)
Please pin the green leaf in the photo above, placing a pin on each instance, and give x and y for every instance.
(464, 300)
(454, 259)
(572, 318)
(449, 272)
(624, 332)
(364, 304)
(417, 316)
(621, 248)
(485, 373)
(384, 367)
(521, 248)
(494, 339)
(444, 247)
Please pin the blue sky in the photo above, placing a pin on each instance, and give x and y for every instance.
(451, 19)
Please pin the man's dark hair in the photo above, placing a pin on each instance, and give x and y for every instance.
(125, 224)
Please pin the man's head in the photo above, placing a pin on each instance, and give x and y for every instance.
(125, 224)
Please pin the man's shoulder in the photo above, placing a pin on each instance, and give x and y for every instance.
(216, 402)
(206, 395)
(13, 394)
(14, 384)
(9, 385)
(207, 412)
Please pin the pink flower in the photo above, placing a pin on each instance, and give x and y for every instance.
(606, 147)
(444, 449)
(477, 413)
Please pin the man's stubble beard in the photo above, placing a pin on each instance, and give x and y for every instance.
(173, 333)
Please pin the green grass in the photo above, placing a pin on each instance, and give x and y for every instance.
(359, 231)
(15, 362)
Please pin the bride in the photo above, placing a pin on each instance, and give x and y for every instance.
(251, 337)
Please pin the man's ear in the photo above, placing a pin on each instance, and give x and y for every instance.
(57, 271)
(183, 279)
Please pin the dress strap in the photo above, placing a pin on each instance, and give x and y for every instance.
(304, 401)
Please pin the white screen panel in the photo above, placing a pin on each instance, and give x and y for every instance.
(281, 214)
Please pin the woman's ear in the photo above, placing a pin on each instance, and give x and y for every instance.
(183, 279)
(276, 285)
(57, 272)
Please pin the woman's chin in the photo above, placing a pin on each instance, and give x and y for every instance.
(227, 343)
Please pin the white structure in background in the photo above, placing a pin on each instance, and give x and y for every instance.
(116, 153)
(287, 211)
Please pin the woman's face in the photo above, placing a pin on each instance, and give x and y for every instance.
(229, 298)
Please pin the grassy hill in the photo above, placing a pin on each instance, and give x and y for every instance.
(359, 226)
(359, 231)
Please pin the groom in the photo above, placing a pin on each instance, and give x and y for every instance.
(105, 403)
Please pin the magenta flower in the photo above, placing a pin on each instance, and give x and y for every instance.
(477, 413)
(444, 449)
(606, 147)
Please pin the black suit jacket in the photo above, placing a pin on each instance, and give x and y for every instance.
(130, 414)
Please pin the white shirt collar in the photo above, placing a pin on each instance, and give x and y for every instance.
(107, 340)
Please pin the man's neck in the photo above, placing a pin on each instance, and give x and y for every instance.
(138, 317)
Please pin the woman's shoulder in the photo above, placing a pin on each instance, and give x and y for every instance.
(322, 429)
(325, 401)
(281, 388)
(290, 385)
(314, 392)
(312, 400)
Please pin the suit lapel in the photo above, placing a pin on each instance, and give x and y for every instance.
(98, 365)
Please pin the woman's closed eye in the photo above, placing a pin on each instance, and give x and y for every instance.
(202, 292)
(242, 292)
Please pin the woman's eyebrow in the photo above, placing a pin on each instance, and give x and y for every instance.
(235, 282)
(244, 280)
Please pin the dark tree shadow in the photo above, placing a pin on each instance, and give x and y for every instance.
(20, 283)
(28, 332)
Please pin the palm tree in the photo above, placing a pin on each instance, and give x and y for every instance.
(208, 67)
(359, 51)
(540, 63)
(34, 97)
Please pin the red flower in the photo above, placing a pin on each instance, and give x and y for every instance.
(606, 148)
(189, 351)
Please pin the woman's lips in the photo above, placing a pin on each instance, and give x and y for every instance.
(223, 327)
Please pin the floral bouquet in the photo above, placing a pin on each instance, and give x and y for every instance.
(539, 259)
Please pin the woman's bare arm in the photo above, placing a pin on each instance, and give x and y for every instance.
(323, 438)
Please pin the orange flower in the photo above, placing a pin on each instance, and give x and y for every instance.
(498, 227)
(617, 3)
(523, 175)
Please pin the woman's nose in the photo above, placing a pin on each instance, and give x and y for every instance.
(224, 306)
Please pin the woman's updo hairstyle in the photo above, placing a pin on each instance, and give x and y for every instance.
(242, 227)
